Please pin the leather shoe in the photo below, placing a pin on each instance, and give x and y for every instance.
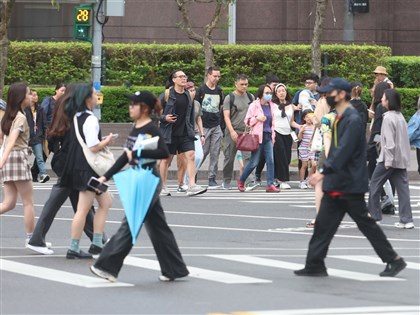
(95, 250)
(393, 268)
(75, 255)
(311, 272)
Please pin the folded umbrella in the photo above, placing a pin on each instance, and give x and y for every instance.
(136, 187)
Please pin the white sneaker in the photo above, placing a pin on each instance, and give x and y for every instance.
(409, 225)
(166, 279)
(284, 186)
(252, 186)
(40, 249)
(165, 191)
(102, 274)
(303, 185)
(48, 244)
(196, 190)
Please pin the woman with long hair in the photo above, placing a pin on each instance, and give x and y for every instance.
(393, 161)
(14, 165)
(58, 140)
(119, 246)
(77, 171)
(260, 118)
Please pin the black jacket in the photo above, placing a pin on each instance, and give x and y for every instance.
(169, 109)
(36, 131)
(345, 169)
(362, 109)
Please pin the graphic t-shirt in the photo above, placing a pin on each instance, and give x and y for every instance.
(210, 100)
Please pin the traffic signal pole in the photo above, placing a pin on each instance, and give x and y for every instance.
(98, 15)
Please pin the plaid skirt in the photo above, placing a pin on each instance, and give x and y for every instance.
(16, 167)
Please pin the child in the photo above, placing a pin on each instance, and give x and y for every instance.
(305, 153)
(113, 254)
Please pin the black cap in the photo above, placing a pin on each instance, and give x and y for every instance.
(143, 97)
(336, 84)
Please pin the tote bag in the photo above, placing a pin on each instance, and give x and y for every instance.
(100, 161)
(247, 141)
(317, 143)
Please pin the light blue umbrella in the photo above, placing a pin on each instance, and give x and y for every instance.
(136, 187)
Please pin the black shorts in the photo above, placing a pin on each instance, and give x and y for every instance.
(181, 145)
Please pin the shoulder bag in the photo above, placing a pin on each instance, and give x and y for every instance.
(100, 161)
(247, 141)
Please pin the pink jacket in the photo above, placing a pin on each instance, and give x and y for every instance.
(255, 110)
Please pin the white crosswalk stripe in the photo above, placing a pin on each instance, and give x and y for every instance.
(293, 266)
(205, 274)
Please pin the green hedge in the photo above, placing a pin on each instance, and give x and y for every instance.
(150, 64)
(404, 71)
(114, 108)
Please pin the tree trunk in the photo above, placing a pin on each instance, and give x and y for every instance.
(5, 14)
(321, 6)
(208, 55)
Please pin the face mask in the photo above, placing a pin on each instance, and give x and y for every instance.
(331, 101)
(268, 97)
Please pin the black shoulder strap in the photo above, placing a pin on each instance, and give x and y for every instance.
(231, 100)
(250, 97)
(200, 93)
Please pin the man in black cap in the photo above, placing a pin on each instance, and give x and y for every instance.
(345, 184)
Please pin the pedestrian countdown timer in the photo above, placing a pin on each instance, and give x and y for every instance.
(82, 23)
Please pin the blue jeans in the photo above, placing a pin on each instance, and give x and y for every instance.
(39, 158)
(266, 148)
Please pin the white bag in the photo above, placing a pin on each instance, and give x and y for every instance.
(100, 161)
(317, 141)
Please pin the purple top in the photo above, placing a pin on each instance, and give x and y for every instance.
(268, 122)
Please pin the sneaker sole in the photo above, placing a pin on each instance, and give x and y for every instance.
(196, 193)
(252, 188)
(213, 187)
(43, 251)
(110, 278)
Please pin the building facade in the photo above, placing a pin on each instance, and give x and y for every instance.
(394, 23)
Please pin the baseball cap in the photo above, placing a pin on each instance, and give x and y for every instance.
(189, 85)
(336, 84)
(380, 70)
(142, 97)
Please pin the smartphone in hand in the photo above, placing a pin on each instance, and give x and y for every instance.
(96, 184)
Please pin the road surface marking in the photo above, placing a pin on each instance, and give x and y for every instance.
(58, 276)
(200, 273)
(293, 266)
(373, 260)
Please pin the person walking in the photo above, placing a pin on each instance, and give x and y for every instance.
(393, 161)
(210, 96)
(14, 164)
(235, 107)
(37, 122)
(260, 119)
(48, 103)
(414, 133)
(306, 156)
(110, 261)
(382, 76)
(77, 172)
(58, 140)
(345, 184)
(177, 127)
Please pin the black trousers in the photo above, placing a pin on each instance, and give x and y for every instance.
(330, 215)
(168, 254)
(57, 198)
(282, 150)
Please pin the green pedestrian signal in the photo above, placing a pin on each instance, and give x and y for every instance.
(82, 23)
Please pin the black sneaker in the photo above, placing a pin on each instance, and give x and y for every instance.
(393, 268)
(95, 250)
(75, 255)
(311, 272)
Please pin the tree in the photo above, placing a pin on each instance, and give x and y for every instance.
(204, 39)
(6, 7)
(321, 7)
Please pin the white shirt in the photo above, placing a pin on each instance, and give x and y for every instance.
(282, 124)
(90, 129)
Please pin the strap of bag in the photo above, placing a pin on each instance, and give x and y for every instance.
(79, 137)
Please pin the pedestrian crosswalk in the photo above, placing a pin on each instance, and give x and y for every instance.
(259, 264)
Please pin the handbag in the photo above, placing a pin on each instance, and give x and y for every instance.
(317, 141)
(100, 161)
(247, 141)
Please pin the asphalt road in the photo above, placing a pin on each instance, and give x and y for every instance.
(241, 249)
